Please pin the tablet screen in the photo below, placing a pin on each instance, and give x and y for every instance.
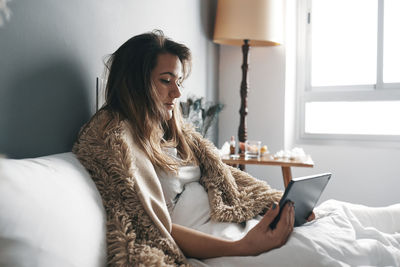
(305, 193)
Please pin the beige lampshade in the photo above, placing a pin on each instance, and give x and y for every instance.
(259, 21)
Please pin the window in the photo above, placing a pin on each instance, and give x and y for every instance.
(391, 45)
(357, 117)
(348, 69)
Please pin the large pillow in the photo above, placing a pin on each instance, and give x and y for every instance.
(51, 214)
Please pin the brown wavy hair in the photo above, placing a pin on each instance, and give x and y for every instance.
(131, 92)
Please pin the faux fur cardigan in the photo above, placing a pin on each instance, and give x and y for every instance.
(138, 222)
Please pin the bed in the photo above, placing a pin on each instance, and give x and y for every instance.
(343, 234)
(51, 215)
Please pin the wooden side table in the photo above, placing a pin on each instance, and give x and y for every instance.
(268, 159)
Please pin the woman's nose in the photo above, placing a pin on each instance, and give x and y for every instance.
(175, 91)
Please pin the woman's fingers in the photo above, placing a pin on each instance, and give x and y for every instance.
(269, 216)
(262, 238)
(285, 225)
(292, 215)
(311, 217)
(287, 215)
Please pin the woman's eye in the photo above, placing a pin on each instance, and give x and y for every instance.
(179, 83)
(165, 81)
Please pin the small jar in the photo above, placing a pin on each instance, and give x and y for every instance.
(232, 146)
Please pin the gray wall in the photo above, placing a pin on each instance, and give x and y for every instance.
(52, 51)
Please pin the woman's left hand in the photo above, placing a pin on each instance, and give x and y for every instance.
(311, 217)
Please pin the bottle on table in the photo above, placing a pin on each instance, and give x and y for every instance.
(232, 146)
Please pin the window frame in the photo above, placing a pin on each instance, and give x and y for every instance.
(305, 93)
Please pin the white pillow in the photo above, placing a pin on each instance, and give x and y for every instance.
(51, 214)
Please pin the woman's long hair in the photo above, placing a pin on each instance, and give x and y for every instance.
(131, 92)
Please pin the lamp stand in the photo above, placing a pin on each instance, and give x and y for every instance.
(244, 89)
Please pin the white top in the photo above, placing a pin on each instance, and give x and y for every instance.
(173, 185)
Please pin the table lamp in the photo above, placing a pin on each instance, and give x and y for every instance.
(248, 23)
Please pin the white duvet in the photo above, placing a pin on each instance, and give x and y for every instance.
(343, 234)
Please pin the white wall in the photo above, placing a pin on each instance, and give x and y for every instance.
(362, 173)
(52, 51)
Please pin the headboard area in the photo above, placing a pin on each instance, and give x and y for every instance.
(42, 109)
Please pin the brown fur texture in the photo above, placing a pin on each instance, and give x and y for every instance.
(132, 237)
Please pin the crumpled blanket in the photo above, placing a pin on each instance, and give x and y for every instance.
(343, 234)
(138, 222)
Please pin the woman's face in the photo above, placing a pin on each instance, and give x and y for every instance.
(167, 77)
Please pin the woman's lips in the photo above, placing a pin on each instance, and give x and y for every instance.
(169, 105)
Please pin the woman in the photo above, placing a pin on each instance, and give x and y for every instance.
(140, 155)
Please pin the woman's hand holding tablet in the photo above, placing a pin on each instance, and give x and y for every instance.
(305, 193)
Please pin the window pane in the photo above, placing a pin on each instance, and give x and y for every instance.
(391, 39)
(374, 117)
(344, 42)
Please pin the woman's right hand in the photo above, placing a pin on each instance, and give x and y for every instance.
(262, 238)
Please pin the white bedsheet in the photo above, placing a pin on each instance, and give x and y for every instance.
(343, 234)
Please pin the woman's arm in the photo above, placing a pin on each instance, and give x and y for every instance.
(260, 239)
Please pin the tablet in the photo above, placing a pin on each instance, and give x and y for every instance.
(305, 193)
